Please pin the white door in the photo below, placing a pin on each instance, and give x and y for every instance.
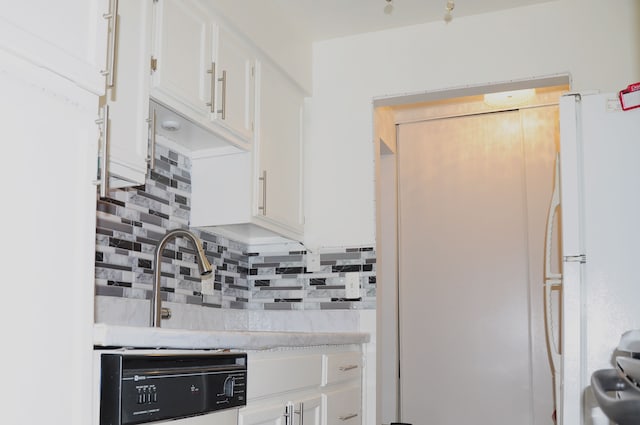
(472, 193)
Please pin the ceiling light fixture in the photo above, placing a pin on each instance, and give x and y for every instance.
(448, 17)
(388, 9)
(509, 98)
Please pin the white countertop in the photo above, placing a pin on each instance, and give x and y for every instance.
(146, 337)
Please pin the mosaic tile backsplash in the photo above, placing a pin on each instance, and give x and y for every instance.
(132, 220)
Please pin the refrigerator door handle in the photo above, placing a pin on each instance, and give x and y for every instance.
(552, 281)
(553, 212)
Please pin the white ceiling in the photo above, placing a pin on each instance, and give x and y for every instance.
(338, 18)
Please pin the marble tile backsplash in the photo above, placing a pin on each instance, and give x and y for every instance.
(132, 220)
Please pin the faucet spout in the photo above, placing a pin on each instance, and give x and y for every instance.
(203, 265)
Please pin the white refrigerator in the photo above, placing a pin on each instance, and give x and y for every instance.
(600, 246)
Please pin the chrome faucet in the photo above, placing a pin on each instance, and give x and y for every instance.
(203, 265)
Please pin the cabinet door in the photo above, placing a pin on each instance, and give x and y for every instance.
(284, 373)
(311, 410)
(67, 37)
(182, 47)
(279, 156)
(344, 406)
(263, 414)
(235, 88)
(300, 410)
(128, 98)
(49, 130)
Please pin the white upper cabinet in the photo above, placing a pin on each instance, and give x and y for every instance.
(262, 187)
(278, 153)
(216, 78)
(235, 89)
(202, 72)
(182, 56)
(46, 34)
(127, 95)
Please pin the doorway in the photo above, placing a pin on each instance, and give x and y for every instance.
(472, 187)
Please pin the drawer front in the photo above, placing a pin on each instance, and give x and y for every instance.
(268, 376)
(340, 367)
(344, 406)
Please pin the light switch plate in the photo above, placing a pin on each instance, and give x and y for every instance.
(313, 262)
(352, 285)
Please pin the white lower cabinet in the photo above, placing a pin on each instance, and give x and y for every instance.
(311, 408)
(342, 387)
(310, 386)
(343, 405)
(262, 414)
(297, 409)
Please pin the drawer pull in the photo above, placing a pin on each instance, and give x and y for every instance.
(347, 417)
(349, 367)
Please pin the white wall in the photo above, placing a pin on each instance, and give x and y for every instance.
(595, 41)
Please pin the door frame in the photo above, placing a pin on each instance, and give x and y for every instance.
(386, 196)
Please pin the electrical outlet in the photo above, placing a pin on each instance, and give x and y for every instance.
(313, 262)
(352, 285)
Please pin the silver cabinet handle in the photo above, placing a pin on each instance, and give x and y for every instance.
(288, 414)
(223, 110)
(112, 16)
(151, 155)
(301, 413)
(347, 417)
(212, 71)
(349, 367)
(103, 122)
(263, 179)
